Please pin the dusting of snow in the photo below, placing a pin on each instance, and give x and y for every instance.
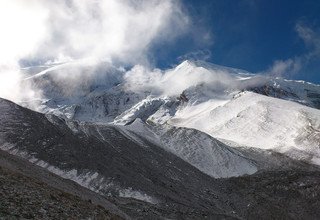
(91, 180)
(316, 161)
(130, 193)
(199, 149)
(205, 153)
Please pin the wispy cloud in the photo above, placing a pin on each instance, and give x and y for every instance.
(292, 66)
(196, 55)
(285, 67)
(311, 39)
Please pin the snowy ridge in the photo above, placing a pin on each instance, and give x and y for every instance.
(159, 108)
(259, 121)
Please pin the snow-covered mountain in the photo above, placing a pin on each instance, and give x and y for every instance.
(237, 107)
(155, 135)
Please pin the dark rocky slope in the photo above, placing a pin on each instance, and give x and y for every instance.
(178, 190)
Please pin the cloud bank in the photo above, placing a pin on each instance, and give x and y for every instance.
(110, 29)
(187, 75)
(56, 31)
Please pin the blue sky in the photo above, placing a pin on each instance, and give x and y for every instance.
(251, 34)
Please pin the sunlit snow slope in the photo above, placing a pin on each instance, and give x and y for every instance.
(251, 111)
(259, 121)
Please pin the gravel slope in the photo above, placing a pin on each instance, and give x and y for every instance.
(30, 192)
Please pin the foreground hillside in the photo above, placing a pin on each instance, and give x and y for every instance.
(30, 192)
(138, 176)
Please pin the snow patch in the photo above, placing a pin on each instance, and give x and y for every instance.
(130, 193)
(91, 180)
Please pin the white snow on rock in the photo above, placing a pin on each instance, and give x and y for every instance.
(206, 153)
(259, 121)
(250, 110)
(197, 148)
(130, 193)
(91, 180)
(219, 107)
(143, 110)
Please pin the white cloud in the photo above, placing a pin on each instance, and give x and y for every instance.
(311, 39)
(285, 67)
(172, 82)
(22, 26)
(111, 29)
(121, 30)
